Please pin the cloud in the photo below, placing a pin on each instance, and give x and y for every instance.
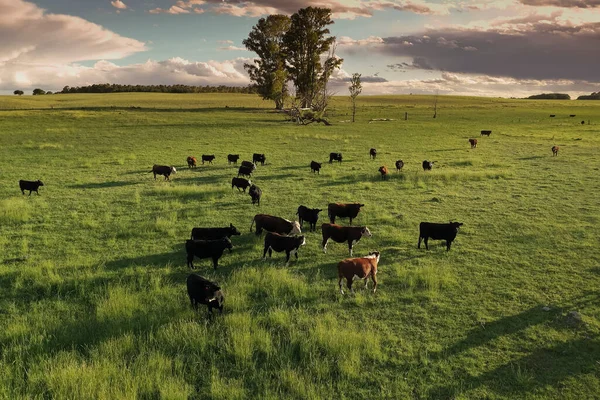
(118, 4)
(232, 48)
(563, 3)
(348, 41)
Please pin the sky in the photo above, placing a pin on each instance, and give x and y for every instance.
(506, 48)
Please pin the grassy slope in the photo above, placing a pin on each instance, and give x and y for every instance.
(93, 299)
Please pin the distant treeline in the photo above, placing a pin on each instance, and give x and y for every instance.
(116, 88)
(550, 96)
(593, 96)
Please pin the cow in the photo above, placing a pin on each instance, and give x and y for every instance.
(343, 211)
(399, 165)
(163, 170)
(315, 167)
(232, 158)
(335, 157)
(255, 194)
(259, 158)
(191, 161)
(445, 232)
(274, 224)
(249, 165)
(32, 186)
(341, 234)
(373, 153)
(281, 243)
(358, 268)
(427, 165)
(486, 133)
(245, 171)
(202, 291)
(310, 215)
(207, 157)
(582, 122)
(572, 115)
(206, 249)
(383, 171)
(473, 143)
(240, 183)
(552, 115)
(214, 233)
(555, 150)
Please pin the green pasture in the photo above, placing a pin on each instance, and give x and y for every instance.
(92, 271)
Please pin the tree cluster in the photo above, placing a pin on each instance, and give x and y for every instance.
(550, 96)
(593, 96)
(117, 88)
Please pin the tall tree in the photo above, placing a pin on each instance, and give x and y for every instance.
(268, 71)
(355, 89)
(18, 92)
(305, 42)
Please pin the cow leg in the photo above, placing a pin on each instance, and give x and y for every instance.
(270, 252)
(426, 240)
(287, 258)
(419, 245)
(192, 301)
(332, 219)
(374, 278)
(350, 246)
(265, 252)
(215, 262)
(324, 244)
(366, 282)
(350, 220)
(190, 261)
(30, 192)
(341, 278)
(349, 284)
(23, 191)
(296, 254)
(448, 244)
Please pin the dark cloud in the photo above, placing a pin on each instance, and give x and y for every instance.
(539, 51)
(563, 3)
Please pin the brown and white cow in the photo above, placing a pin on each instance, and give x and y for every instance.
(555, 150)
(383, 171)
(271, 223)
(191, 161)
(358, 268)
(163, 170)
(341, 210)
(473, 143)
(341, 234)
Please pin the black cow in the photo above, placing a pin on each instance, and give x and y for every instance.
(280, 243)
(310, 215)
(249, 165)
(486, 133)
(240, 183)
(259, 158)
(427, 165)
(245, 171)
(206, 249)
(315, 167)
(202, 291)
(232, 158)
(445, 232)
(32, 186)
(208, 158)
(343, 211)
(373, 153)
(163, 170)
(255, 193)
(335, 157)
(214, 233)
(399, 165)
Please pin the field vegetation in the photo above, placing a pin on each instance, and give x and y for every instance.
(92, 271)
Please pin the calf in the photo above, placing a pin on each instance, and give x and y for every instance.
(259, 158)
(163, 170)
(335, 157)
(202, 291)
(249, 165)
(399, 165)
(486, 133)
(280, 243)
(315, 167)
(191, 161)
(343, 211)
(206, 249)
(32, 186)
(274, 224)
(214, 233)
(358, 268)
(245, 171)
(208, 158)
(341, 234)
(383, 171)
(373, 153)
(552, 115)
(427, 165)
(232, 158)
(255, 194)
(240, 183)
(473, 143)
(554, 152)
(310, 215)
(445, 232)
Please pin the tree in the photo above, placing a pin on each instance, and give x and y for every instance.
(268, 71)
(305, 42)
(355, 90)
(18, 93)
(38, 91)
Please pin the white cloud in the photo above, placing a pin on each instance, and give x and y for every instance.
(118, 4)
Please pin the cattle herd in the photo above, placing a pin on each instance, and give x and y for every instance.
(283, 236)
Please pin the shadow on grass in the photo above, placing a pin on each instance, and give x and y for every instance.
(531, 157)
(143, 109)
(102, 185)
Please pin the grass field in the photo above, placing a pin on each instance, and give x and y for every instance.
(92, 273)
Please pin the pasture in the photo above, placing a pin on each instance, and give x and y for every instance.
(93, 270)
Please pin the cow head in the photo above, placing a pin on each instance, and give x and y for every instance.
(359, 205)
(40, 183)
(295, 228)
(374, 254)
(249, 182)
(366, 232)
(233, 230)
(316, 211)
(456, 225)
(173, 170)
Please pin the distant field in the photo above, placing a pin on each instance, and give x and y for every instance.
(92, 271)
